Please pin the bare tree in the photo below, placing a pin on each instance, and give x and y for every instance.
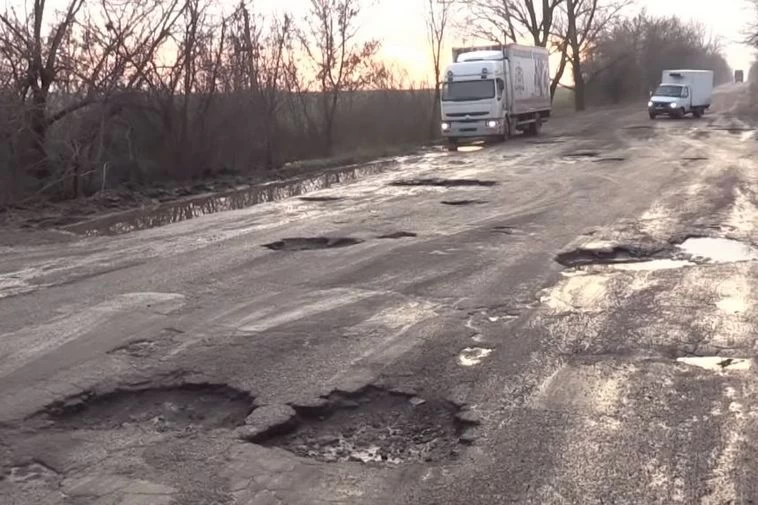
(257, 56)
(585, 21)
(437, 18)
(516, 20)
(342, 62)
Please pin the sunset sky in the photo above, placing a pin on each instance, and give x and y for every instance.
(399, 24)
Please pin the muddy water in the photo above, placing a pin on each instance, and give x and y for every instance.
(719, 250)
(189, 208)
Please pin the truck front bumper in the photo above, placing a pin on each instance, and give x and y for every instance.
(473, 129)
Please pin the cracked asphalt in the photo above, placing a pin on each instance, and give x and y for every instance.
(409, 338)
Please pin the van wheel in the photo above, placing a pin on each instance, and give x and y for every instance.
(697, 113)
(652, 115)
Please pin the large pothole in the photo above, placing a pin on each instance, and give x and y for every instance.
(376, 426)
(608, 253)
(198, 406)
(312, 243)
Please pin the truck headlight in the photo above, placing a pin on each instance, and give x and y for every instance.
(445, 127)
(492, 124)
(672, 105)
(650, 104)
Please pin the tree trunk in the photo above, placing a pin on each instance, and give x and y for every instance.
(435, 123)
(579, 85)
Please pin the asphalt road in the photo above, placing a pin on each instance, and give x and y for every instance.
(410, 338)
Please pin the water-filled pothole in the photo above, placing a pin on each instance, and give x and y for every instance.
(312, 243)
(445, 183)
(198, 406)
(717, 363)
(472, 356)
(375, 426)
(718, 250)
(461, 203)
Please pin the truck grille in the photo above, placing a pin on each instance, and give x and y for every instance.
(464, 114)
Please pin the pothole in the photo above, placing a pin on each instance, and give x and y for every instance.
(718, 250)
(321, 198)
(505, 230)
(199, 406)
(32, 472)
(445, 183)
(694, 158)
(717, 363)
(472, 356)
(376, 426)
(611, 159)
(136, 349)
(312, 243)
(399, 235)
(607, 253)
(582, 154)
(461, 203)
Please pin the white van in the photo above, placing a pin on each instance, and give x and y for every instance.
(682, 92)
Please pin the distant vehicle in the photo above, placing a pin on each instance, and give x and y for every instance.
(493, 91)
(682, 92)
(739, 76)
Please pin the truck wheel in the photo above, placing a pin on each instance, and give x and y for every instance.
(697, 112)
(452, 144)
(537, 125)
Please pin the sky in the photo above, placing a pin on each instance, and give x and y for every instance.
(400, 25)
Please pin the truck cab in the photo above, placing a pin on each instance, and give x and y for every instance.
(474, 98)
(671, 100)
(492, 91)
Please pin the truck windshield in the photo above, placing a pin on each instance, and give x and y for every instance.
(668, 90)
(462, 91)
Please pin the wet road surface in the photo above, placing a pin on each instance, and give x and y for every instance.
(563, 320)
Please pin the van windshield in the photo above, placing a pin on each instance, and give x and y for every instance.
(669, 90)
(462, 91)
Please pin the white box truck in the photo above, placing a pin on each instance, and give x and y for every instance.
(682, 92)
(493, 91)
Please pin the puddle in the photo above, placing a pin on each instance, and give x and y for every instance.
(469, 149)
(472, 356)
(162, 409)
(718, 250)
(312, 244)
(445, 183)
(193, 207)
(399, 234)
(651, 266)
(374, 426)
(717, 363)
(463, 202)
